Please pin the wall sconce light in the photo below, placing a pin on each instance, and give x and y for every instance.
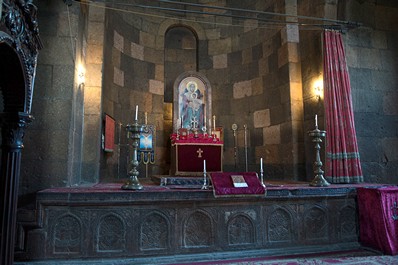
(81, 76)
(318, 89)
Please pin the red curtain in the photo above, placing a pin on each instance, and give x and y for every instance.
(342, 156)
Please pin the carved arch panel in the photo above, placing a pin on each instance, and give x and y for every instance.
(198, 230)
(316, 224)
(67, 235)
(241, 230)
(111, 234)
(155, 232)
(280, 226)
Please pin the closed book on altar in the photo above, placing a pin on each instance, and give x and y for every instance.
(239, 181)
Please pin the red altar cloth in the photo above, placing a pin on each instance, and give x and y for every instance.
(189, 152)
(223, 184)
(378, 218)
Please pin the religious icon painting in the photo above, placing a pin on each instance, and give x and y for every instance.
(146, 150)
(109, 133)
(192, 101)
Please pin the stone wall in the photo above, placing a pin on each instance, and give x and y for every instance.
(311, 71)
(53, 140)
(372, 58)
(254, 71)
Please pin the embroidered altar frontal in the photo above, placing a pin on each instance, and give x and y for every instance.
(187, 158)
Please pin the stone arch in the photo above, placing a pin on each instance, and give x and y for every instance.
(155, 232)
(13, 82)
(280, 226)
(198, 230)
(180, 55)
(111, 234)
(241, 230)
(170, 23)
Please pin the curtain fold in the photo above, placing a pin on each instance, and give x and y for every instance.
(342, 156)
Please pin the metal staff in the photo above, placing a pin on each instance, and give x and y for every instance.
(246, 167)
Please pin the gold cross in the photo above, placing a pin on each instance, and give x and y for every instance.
(200, 151)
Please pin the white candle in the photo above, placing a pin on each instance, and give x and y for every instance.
(214, 122)
(316, 120)
(182, 121)
(204, 165)
(261, 165)
(146, 118)
(136, 112)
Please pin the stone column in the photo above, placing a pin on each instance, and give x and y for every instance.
(12, 130)
(292, 145)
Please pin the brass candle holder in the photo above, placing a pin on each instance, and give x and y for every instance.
(319, 180)
(134, 130)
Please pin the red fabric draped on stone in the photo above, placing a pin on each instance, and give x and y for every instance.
(342, 156)
(378, 218)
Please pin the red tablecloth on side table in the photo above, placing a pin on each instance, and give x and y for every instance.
(378, 218)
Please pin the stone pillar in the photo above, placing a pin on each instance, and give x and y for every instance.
(12, 129)
(291, 130)
(93, 96)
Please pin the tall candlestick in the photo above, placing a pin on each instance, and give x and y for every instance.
(261, 165)
(136, 112)
(316, 120)
(214, 122)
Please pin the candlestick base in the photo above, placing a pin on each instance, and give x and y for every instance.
(319, 181)
(205, 185)
(132, 184)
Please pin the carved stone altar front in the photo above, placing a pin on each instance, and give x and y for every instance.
(158, 221)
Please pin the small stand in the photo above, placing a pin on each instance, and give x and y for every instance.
(132, 183)
(319, 180)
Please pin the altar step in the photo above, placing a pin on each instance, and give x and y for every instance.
(341, 250)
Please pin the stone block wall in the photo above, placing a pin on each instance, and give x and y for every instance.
(252, 70)
(372, 58)
(49, 154)
(311, 72)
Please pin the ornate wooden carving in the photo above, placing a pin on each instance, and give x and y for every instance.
(12, 130)
(19, 45)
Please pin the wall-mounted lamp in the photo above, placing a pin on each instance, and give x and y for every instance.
(81, 76)
(318, 89)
